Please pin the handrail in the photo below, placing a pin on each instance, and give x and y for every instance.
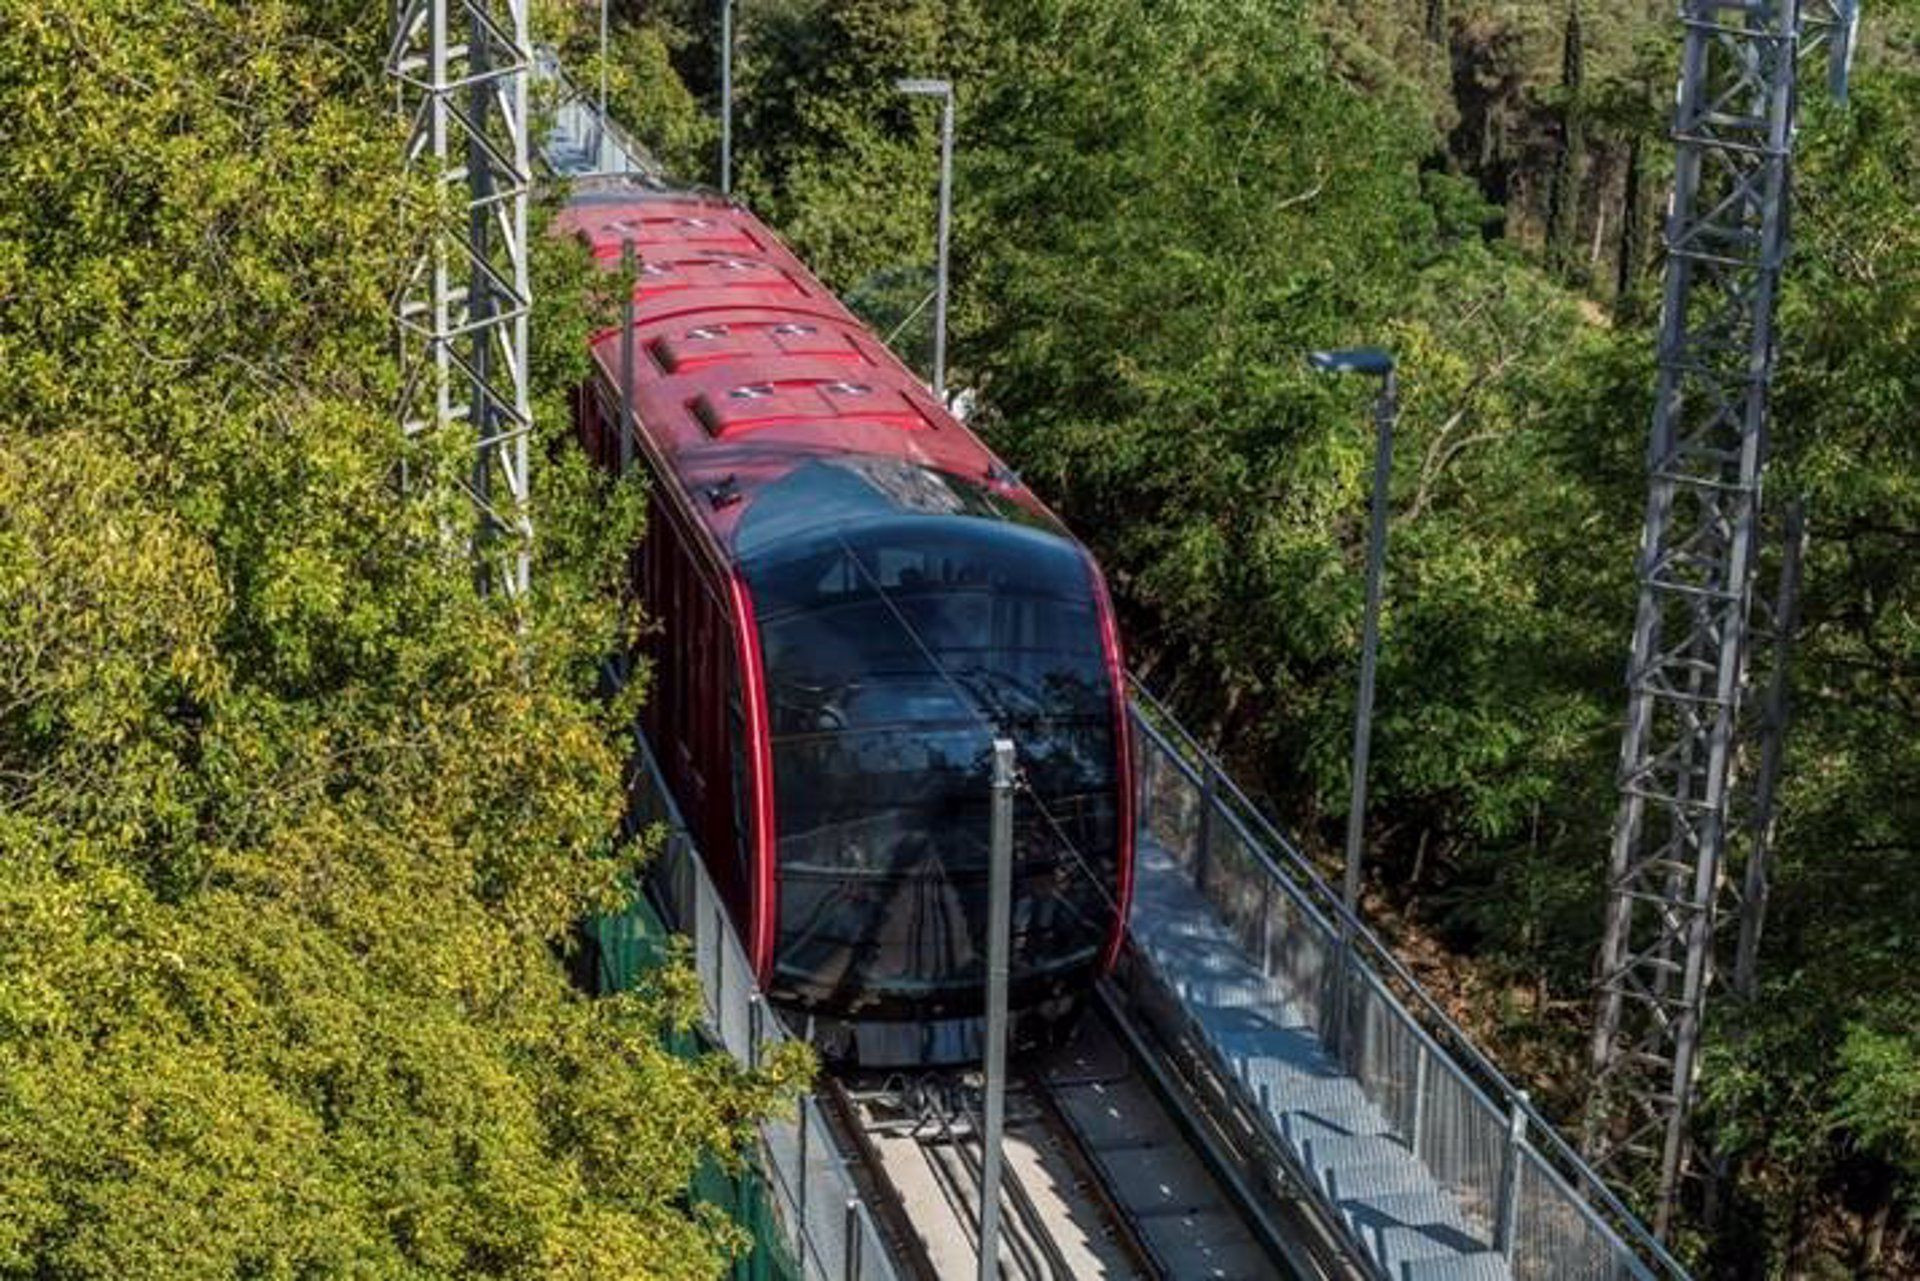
(631, 157)
(1183, 749)
(861, 1254)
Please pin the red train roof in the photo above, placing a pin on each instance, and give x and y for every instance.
(746, 366)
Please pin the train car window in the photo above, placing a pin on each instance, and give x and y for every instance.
(895, 653)
(741, 784)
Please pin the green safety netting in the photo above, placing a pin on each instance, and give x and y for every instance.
(617, 950)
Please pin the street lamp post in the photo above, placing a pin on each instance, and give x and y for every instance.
(999, 948)
(726, 97)
(1375, 363)
(943, 90)
(1386, 411)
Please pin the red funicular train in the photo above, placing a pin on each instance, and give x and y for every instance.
(854, 597)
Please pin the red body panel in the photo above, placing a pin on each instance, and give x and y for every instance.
(760, 941)
(721, 306)
(744, 367)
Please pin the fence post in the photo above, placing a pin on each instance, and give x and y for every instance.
(1342, 981)
(1203, 851)
(678, 888)
(1266, 928)
(1419, 1094)
(627, 263)
(754, 1012)
(718, 1007)
(1509, 1205)
(800, 1181)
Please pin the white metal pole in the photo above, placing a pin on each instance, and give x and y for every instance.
(999, 944)
(1386, 410)
(600, 121)
(726, 97)
(942, 277)
(518, 123)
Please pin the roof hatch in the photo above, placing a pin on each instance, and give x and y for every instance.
(711, 344)
(802, 401)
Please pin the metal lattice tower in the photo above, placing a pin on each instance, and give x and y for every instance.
(1764, 714)
(461, 71)
(1727, 238)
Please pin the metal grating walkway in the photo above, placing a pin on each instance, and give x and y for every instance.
(1418, 1152)
(1397, 1211)
(578, 142)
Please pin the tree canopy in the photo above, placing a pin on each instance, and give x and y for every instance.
(1164, 204)
(293, 824)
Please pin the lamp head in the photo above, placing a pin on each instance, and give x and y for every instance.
(925, 88)
(1376, 361)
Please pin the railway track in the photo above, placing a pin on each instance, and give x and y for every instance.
(1102, 1178)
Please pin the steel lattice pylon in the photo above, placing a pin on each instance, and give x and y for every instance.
(1727, 238)
(461, 71)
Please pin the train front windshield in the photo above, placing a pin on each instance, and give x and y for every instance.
(894, 655)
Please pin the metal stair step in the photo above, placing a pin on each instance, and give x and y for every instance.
(1335, 1101)
(1337, 1150)
(1342, 1163)
(1311, 1131)
(1485, 1266)
(1375, 1180)
(1229, 991)
(1291, 1047)
(1284, 1089)
(1394, 1248)
(1431, 1208)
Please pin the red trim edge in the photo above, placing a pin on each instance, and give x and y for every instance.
(1123, 751)
(753, 689)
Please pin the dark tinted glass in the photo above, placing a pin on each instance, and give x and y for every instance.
(894, 655)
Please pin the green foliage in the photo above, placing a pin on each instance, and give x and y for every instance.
(839, 160)
(1824, 1065)
(292, 823)
(1253, 207)
(1164, 204)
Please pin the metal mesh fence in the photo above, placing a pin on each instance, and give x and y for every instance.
(1556, 1234)
(1463, 1140)
(1512, 1175)
(824, 1211)
(575, 138)
(1383, 1051)
(828, 1232)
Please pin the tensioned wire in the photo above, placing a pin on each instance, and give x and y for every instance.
(969, 700)
(985, 720)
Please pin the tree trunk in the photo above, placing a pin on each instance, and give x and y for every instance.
(1633, 224)
(1563, 198)
(1799, 1265)
(1873, 1230)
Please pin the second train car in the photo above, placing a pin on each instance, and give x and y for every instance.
(853, 598)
